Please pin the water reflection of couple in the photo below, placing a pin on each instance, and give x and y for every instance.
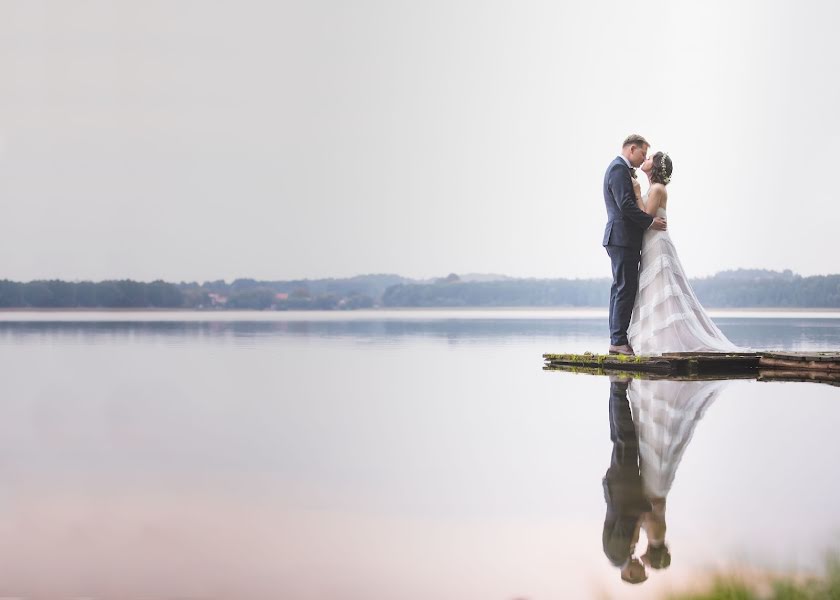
(651, 423)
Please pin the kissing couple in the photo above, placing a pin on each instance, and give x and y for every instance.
(653, 309)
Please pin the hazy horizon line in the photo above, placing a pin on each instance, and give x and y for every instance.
(472, 274)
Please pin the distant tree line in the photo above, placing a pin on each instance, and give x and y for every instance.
(362, 291)
(241, 294)
(87, 294)
(741, 288)
(729, 289)
(512, 292)
(768, 289)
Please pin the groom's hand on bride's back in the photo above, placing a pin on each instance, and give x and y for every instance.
(659, 223)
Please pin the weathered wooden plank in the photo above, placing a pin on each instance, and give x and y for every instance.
(745, 361)
(831, 378)
(804, 356)
(709, 354)
(798, 364)
(762, 375)
(614, 361)
(704, 362)
(649, 374)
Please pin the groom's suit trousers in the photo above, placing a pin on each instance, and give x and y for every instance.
(625, 272)
(623, 489)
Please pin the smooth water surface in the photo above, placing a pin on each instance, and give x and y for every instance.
(407, 455)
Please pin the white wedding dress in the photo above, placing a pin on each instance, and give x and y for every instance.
(665, 414)
(667, 317)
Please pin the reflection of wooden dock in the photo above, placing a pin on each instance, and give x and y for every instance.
(765, 366)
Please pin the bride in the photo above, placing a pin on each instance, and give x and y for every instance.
(667, 317)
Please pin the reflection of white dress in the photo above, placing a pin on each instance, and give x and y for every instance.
(665, 414)
(667, 317)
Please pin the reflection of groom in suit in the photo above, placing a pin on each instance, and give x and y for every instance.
(626, 501)
(626, 224)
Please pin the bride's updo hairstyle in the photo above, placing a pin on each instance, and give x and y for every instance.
(662, 168)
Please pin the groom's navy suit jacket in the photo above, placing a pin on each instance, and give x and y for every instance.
(626, 222)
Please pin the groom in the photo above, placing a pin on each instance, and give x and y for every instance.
(626, 224)
(623, 489)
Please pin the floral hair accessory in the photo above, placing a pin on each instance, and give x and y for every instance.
(661, 169)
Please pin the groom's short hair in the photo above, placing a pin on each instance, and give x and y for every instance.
(636, 140)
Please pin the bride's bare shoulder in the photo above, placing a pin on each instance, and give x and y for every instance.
(658, 189)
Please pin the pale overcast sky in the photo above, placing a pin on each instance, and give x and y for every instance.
(195, 140)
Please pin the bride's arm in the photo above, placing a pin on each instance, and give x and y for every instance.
(637, 190)
(656, 194)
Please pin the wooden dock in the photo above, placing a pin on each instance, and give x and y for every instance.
(823, 367)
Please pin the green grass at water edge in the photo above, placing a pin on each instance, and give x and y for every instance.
(732, 587)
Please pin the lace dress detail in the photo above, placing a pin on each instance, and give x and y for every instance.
(667, 317)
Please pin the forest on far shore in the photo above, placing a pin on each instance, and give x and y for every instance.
(743, 288)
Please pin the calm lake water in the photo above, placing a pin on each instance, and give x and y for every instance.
(389, 455)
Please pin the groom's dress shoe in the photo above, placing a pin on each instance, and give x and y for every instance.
(626, 350)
